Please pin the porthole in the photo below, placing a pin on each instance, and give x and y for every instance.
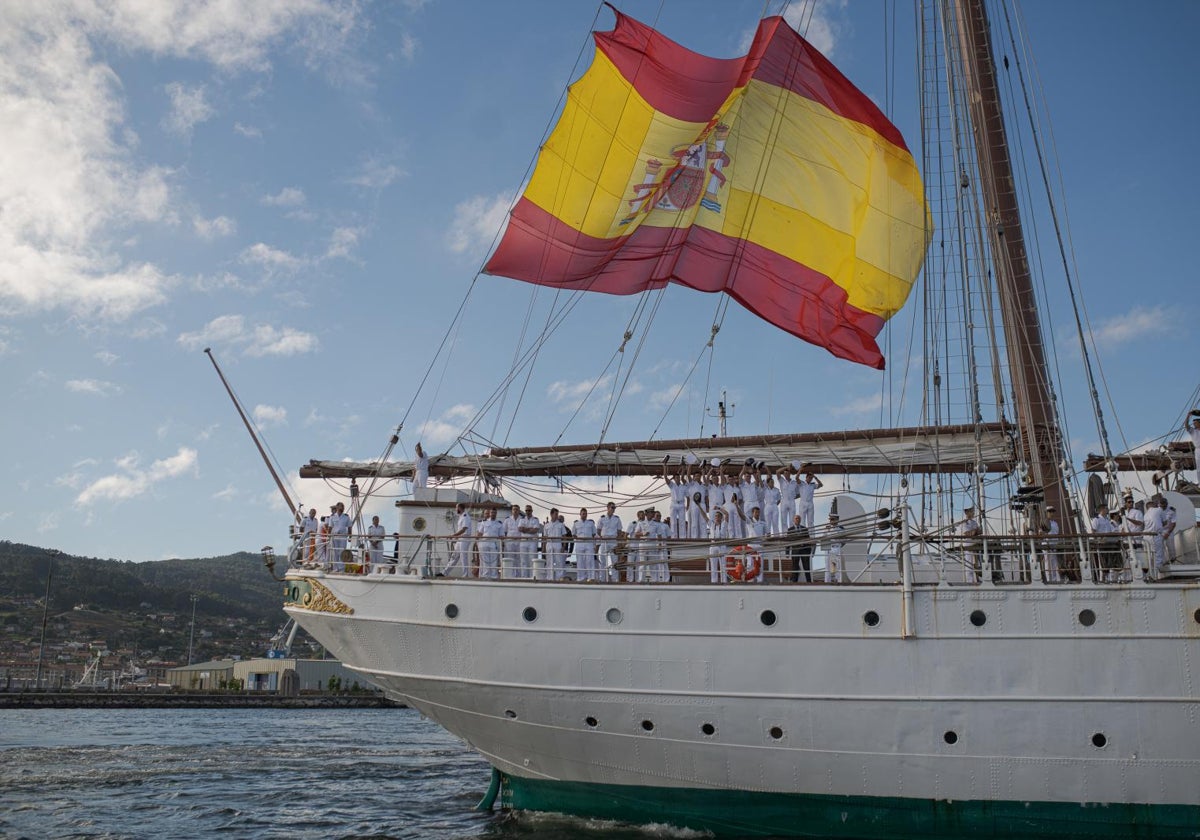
(452, 611)
(614, 615)
(775, 732)
(510, 714)
(979, 618)
(1087, 618)
(767, 617)
(708, 729)
(1196, 616)
(870, 618)
(591, 721)
(1099, 741)
(529, 614)
(648, 725)
(419, 523)
(951, 737)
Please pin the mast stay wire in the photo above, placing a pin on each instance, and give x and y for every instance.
(1070, 246)
(500, 229)
(639, 308)
(707, 348)
(1062, 248)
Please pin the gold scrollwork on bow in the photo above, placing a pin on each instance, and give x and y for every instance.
(318, 598)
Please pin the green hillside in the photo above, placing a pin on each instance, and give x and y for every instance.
(142, 607)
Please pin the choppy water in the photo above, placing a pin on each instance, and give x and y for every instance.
(253, 773)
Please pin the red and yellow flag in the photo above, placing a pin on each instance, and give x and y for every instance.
(768, 177)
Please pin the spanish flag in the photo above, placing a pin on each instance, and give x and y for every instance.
(769, 177)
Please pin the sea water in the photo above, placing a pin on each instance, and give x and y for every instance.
(255, 773)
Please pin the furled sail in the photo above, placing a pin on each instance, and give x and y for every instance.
(769, 177)
(921, 449)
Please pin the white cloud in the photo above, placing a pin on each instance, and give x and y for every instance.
(71, 480)
(662, 398)
(225, 495)
(816, 20)
(93, 386)
(49, 522)
(189, 108)
(407, 47)
(262, 340)
(859, 405)
(72, 181)
(213, 228)
(375, 173)
(286, 197)
(149, 328)
(477, 222)
(105, 357)
(269, 415)
(131, 481)
(447, 427)
(342, 241)
(569, 393)
(250, 131)
(225, 329)
(270, 259)
(268, 341)
(207, 431)
(1135, 323)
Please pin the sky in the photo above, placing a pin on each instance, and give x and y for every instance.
(309, 188)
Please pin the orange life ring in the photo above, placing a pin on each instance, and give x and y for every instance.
(743, 563)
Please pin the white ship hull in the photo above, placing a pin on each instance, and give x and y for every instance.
(691, 688)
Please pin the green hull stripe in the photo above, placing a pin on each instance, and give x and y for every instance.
(746, 813)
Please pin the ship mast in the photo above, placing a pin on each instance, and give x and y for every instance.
(1040, 440)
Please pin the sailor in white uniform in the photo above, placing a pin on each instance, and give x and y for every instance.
(554, 531)
(678, 501)
(1152, 527)
(490, 532)
(718, 494)
(835, 541)
(1170, 523)
(693, 486)
(460, 544)
(806, 491)
(339, 529)
(1106, 551)
(750, 490)
(1131, 526)
(420, 468)
(308, 537)
(531, 530)
(512, 543)
(695, 516)
(639, 545)
(609, 527)
(770, 507)
(756, 532)
(718, 532)
(787, 498)
(661, 532)
(735, 515)
(585, 547)
(375, 534)
(1050, 548)
(969, 532)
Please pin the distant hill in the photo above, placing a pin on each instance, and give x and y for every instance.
(235, 585)
(142, 606)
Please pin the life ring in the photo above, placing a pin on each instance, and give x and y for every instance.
(743, 563)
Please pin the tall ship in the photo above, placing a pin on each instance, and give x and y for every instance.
(984, 636)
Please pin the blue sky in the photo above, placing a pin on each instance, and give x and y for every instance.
(309, 187)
